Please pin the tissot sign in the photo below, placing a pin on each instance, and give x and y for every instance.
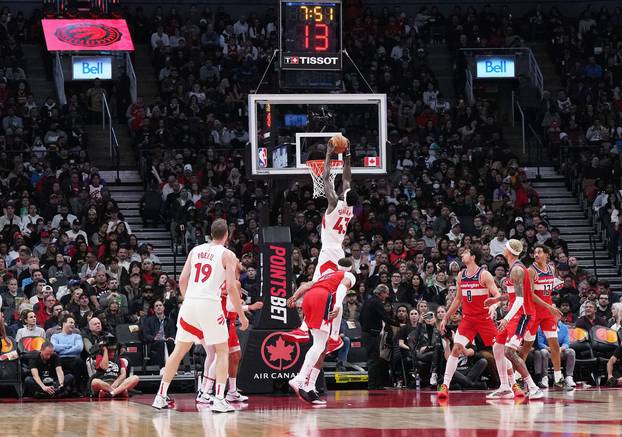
(87, 35)
(312, 62)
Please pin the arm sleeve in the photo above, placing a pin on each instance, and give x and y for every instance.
(518, 302)
(341, 294)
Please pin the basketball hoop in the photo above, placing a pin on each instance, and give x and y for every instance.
(316, 168)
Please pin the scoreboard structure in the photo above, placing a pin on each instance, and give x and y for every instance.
(311, 35)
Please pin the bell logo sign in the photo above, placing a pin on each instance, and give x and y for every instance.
(90, 68)
(495, 67)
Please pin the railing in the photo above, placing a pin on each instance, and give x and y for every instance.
(593, 249)
(535, 141)
(517, 105)
(468, 87)
(535, 73)
(112, 136)
(59, 80)
(129, 68)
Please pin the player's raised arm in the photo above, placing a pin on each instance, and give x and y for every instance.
(230, 262)
(185, 275)
(329, 189)
(455, 304)
(346, 177)
(346, 283)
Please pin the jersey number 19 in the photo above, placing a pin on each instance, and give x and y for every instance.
(203, 272)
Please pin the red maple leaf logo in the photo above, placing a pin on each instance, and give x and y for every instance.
(280, 351)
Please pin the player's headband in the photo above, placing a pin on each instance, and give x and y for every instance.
(343, 268)
(512, 251)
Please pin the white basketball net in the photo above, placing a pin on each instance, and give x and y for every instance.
(316, 168)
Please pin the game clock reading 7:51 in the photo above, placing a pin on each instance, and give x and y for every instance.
(311, 35)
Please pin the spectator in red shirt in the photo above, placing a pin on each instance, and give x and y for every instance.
(398, 253)
(45, 310)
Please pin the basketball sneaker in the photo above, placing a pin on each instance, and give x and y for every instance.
(163, 402)
(501, 393)
(570, 381)
(204, 398)
(296, 336)
(334, 345)
(443, 391)
(295, 385)
(536, 394)
(517, 391)
(312, 397)
(563, 385)
(235, 396)
(221, 406)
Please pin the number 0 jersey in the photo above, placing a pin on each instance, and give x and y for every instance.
(335, 224)
(473, 294)
(528, 304)
(207, 272)
(543, 284)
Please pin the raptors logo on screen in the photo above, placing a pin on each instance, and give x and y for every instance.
(88, 34)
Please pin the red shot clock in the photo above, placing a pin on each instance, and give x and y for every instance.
(311, 36)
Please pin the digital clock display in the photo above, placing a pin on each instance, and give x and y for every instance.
(311, 34)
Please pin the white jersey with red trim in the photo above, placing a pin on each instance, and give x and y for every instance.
(207, 272)
(335, 224)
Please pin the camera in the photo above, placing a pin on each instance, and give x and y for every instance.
(108, 341)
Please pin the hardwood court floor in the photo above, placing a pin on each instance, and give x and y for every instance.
(350, 413)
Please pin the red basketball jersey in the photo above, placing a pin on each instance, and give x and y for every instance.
(528, 305)
(544, 283)
(473, 294)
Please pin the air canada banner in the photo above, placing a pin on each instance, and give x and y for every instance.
(87, 35)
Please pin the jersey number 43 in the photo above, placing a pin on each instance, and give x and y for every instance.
(342, 225)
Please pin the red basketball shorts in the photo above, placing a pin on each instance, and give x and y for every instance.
(470, 326)
(514, 332)
(316, 306)
(545, 321)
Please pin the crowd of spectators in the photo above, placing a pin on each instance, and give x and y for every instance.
(71, 270)
(66, 252)
(455, 184)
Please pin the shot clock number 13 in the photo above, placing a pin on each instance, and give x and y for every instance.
(311, 34)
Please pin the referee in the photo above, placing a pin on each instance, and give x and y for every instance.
(371, 318)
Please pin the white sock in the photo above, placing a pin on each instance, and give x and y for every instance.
(450, 369)
(532, 385)
(558, 375)
(499, 353)
(315, 372)
(163, 390)
(233, 384)
(208, 385)
(220, 390)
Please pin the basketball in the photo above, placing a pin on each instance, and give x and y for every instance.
(340, 143)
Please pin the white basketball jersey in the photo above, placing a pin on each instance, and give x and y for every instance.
(207, 273)
(335, 224)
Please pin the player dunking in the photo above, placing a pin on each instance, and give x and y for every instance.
(201, 317)
(323, 300)
(334, 228)
(543, 281)
(514, 326)
(475, 285)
